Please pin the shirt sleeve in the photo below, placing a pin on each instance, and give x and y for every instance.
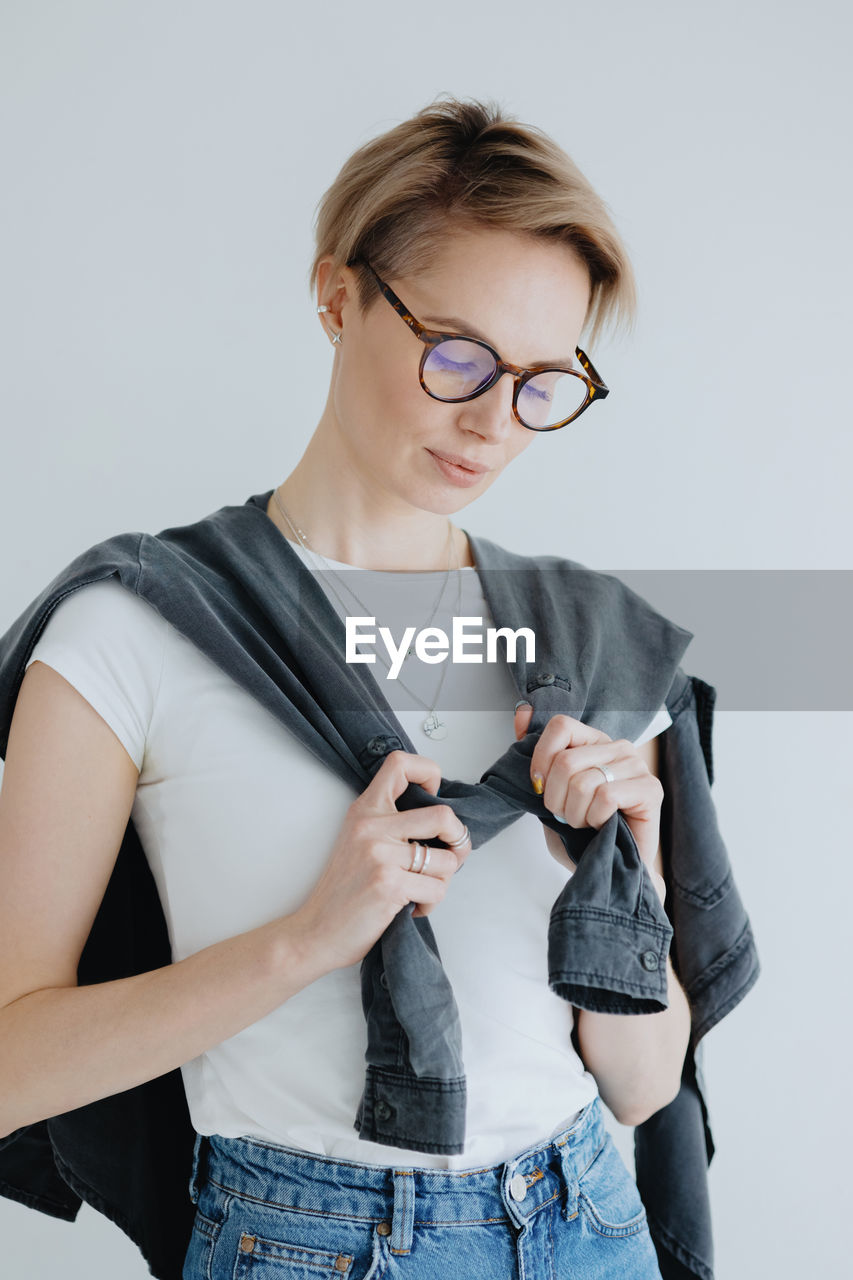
(109, 644)
(662, 720)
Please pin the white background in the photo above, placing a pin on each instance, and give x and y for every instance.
(161, 357)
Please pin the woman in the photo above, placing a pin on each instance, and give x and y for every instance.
(456, 240)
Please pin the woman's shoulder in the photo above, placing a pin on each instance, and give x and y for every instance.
(103, 614)
(110, 645)
(108, 599)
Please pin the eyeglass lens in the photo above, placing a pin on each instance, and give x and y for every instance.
(456, 368)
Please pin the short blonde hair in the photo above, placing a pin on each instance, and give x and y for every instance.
(468, 163)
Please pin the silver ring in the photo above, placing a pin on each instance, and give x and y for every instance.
(463, 839)
(608, 776)
(419, 862)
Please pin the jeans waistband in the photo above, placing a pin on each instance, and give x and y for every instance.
(396, 1195)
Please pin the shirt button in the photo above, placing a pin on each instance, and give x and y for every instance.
(547, 677)
(383, 980)
(518, 1187)
(383, 1111)
(376, 746)
(649, 960)
(384, 1229)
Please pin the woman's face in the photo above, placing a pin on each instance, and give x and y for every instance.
(527, 298)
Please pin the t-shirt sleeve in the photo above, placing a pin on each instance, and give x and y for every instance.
(109, 644)
(661, 721)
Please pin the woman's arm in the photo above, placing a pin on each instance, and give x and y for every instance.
(67, 794)
(636, 1059)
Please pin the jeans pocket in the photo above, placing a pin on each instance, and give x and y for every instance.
(259, 1258)
(279, 1244)
(608, 1195)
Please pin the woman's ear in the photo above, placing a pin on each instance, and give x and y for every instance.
(335, 286)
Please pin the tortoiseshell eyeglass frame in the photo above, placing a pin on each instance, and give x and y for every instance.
(595, 388)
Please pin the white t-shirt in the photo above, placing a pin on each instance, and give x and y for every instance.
(226, 809)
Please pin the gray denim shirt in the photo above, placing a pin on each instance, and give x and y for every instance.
(233, 585)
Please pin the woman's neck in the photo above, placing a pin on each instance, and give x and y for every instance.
(403, 545)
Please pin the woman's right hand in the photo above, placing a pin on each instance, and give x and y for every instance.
(367, 880)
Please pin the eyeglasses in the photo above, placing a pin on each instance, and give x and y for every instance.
(455, 368)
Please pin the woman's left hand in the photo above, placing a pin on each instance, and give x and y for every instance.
(564, 771)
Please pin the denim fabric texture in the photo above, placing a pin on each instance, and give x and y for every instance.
(565, 1208)
(233, 585)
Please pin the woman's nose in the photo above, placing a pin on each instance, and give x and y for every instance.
(490, 415)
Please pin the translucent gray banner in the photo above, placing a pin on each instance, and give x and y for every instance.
(767, 640)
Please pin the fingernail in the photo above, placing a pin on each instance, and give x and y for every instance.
(565, 821)
(538, 784)
(522, 702)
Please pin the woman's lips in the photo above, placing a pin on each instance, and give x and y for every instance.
(457, 475)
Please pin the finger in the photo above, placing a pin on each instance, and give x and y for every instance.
(560, 732)
(424, 889)
(429, 822)
(521, 719)
(393, 776)
(620, 756)
(577, 772)
(639, 800)
(440, 863)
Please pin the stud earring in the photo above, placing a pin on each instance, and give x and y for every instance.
(336, 338)
(322, 307)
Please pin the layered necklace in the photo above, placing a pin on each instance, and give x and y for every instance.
(433, 726)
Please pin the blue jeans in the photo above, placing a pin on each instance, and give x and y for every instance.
(567, 1208)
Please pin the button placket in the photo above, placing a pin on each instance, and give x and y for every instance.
(518, 1187)
(520, 1203)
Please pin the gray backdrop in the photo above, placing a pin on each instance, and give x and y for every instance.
(161, 357)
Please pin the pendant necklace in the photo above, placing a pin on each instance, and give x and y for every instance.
(433, 726)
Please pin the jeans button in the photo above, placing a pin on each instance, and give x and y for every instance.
(518, 1187)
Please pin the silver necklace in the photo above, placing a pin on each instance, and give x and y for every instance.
(432, 725)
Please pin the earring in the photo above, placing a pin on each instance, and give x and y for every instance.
(336, 337)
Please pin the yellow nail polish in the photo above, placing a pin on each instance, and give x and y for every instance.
(538, 784)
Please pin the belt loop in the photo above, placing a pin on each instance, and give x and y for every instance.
(568, 1165)
(198, 1177)
(404, 1211)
